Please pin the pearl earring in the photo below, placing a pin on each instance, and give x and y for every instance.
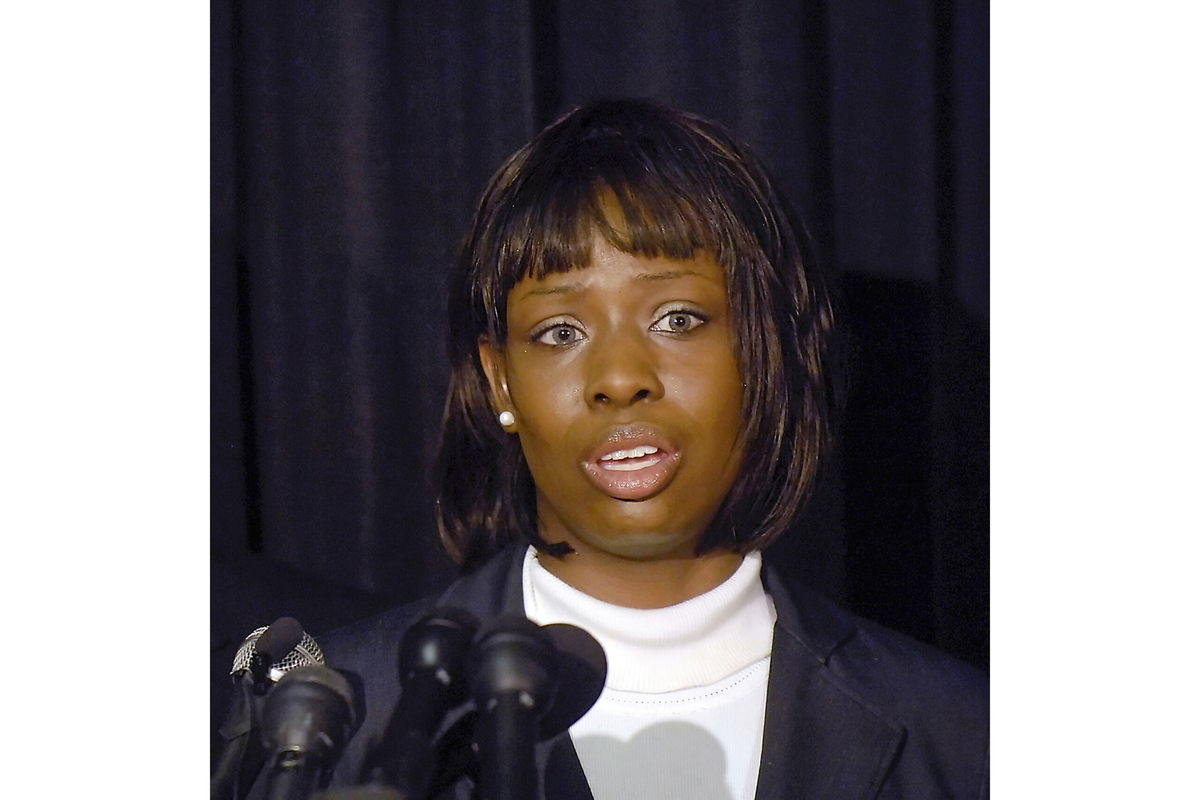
(507, 419)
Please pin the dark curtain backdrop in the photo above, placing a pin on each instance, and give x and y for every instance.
(349, 143)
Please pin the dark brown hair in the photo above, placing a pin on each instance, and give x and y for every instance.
(682, 184)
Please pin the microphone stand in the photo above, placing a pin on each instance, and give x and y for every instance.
(293, 776)
(507, 734)
(241, 721)
(514, 673)
(242, 757)
(454, 758)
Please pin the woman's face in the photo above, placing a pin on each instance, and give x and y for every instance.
(627, 395)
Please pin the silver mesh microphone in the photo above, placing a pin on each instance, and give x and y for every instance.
(306, 652)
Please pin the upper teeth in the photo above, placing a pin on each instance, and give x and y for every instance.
(636, 452)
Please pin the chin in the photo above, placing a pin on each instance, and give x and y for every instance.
(643, 543)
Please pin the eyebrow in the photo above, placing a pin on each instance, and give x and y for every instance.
(565, 288)
(667, 275)
(576, 288)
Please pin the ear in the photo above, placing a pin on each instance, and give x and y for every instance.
(491, 358)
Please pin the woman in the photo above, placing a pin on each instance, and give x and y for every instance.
(639, 403)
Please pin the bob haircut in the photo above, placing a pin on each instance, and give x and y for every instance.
(679, 184)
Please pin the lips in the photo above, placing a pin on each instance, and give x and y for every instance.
(632, 463)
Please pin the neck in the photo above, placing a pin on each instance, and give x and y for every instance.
(641, 583)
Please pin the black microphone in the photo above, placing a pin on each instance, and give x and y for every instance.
(307, 719)
(263, 657)
(513, 669)
(433, 656)
(582, 668)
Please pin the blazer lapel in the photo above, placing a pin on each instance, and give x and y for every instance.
(562, 774)
(819, 741)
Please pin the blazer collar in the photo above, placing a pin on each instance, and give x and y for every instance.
(491, 590)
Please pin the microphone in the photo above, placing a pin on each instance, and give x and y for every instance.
(433, 655)
(582, 668)
(270, 651)
(307, 719)
(262, 658)
(513, 669)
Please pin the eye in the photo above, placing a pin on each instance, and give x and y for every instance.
(680, 320)
(558, 334)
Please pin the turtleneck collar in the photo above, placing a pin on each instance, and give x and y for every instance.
(693, 643)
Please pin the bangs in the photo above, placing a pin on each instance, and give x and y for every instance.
(647, 193)
(637, 214)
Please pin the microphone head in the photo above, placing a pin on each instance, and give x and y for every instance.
(437, 645)
(279, 638)
(302, 652)
(582, 668)
(310, 712)
(513, 655)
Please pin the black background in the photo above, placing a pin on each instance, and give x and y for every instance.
(349, 143)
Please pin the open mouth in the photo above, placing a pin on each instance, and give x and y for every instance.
(636, 458)
(632, 464)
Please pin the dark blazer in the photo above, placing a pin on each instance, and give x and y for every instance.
(853, 710)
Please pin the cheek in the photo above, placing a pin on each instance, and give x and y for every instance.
(712, 397)
(544, 410)
(711, 390)
(545, 389)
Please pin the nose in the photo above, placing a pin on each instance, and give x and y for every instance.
(622, 370)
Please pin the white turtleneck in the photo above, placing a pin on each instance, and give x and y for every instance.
(681, 714)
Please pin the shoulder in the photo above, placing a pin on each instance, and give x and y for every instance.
(937, 704)
(886, 668)
(364, 644)
(940, 702)
(907, 676)
(898, 673)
